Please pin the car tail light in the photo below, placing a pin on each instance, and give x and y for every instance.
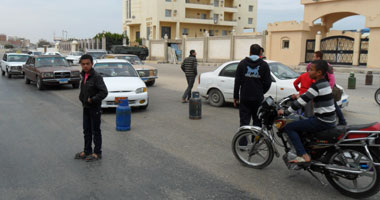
(199, 79)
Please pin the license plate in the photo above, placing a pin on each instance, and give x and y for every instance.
(117, 99)
(63, 80)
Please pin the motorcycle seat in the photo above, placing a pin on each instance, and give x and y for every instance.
(332, 134)
(359, 127)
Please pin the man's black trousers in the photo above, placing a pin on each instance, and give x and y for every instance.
(91, 130)
(248, 111)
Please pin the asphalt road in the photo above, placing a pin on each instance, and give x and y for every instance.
(164, 156)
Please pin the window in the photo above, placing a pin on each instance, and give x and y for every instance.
(148, 32)
(229, 71)
(168, 0)
(129, 9)
(250, 20)
(250, 8)
(185, 31)
(203, 16)
(216, 3)
(212, 32)
(168, 13)
(285, 44)
(224, 32)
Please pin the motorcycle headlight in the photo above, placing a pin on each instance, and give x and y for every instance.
(141, 90)
(48, 75)
(75, 74)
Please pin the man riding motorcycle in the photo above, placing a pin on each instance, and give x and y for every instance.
(324, 110)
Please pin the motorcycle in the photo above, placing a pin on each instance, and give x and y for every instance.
(377, 96)
(348, 156)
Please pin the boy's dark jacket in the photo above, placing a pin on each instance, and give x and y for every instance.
(94, 88)
(252, 79)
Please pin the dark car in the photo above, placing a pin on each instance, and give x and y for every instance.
(50, 70)
(140, 51)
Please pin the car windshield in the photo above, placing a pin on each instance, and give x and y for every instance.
(115, 70)
(17, 58)
(51, 62)
(37, 53)
(282, 71)
(76, 54)
(96, 55)
(134, 60)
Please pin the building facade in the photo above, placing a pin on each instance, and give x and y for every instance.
(153, 19)
(295, 42)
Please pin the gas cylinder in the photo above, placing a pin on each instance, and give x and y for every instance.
(195, 106)
(351, 81)
(123, 116)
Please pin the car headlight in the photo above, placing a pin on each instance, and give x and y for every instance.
(141, 90)
(75, 74)
(153, 72)
(48, 75)
(141, 73)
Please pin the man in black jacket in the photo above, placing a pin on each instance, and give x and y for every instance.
(189, 66)
(252, 81)
(92, 92)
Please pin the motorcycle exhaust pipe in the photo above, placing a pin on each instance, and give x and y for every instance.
(338, 169)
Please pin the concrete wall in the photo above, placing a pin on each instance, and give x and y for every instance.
(157, 50)
(243, 44)
(197, 45)
(219, 48)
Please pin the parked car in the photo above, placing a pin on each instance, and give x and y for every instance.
(12, 63)
(35, 53)
(53, 54)
(96, 54)
(123, 82)
(218, 86)
(141, 51)
(50, 70)
(73, 57)
(147, 73)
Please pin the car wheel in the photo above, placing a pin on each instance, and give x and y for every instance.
(39, 84)
(76, 85)
(216, 98)
(27, 81)
(150, 83)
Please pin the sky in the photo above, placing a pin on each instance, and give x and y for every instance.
(40, 19)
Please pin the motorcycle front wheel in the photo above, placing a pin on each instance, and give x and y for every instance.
(362, 185)
(377, 96)
(252, 150)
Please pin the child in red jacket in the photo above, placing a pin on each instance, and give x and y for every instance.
(306, 82)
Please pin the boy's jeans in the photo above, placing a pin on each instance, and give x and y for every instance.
(308, 125)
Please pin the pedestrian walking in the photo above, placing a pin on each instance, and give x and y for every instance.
(92, 92)
(189, 66)
(252, 81)
(318, 55)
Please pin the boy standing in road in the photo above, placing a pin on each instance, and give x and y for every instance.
(252, 81)
(189, 66)
(92, 92)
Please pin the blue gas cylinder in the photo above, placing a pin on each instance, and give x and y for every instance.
(123, 116)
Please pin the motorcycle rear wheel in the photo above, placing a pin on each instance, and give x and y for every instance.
(377, 96)
(249, 146)
(350, 185)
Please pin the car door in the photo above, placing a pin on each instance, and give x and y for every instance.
(3, 62)
(33, 70)
(226, 81)
(25, 67)
(273, 88)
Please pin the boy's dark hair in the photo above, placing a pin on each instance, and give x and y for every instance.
(319, 54)
(323, 66)
(255, 50)
(86, 57)
(262, 49)
(191, 52)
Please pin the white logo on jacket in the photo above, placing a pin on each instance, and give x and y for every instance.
(253, 73)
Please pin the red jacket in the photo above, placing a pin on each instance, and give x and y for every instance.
(305, 81)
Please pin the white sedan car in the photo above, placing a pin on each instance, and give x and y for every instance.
(123, 82)
(218, 86)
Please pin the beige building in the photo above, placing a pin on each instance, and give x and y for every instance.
(153, 19)
(295, 42)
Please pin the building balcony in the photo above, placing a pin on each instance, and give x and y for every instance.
(198, 20)
(200, 6)
(228, 23)
(231, 9)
